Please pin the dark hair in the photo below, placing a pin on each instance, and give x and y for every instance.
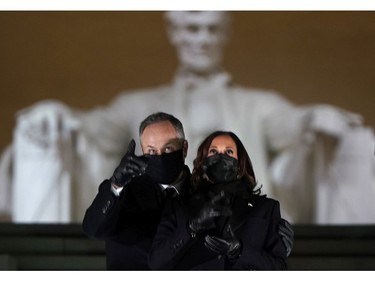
(245, 172)
(161, 117)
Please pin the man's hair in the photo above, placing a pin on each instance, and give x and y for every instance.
(162, 117)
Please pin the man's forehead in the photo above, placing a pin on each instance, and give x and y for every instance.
(161, 142)
(159, 134)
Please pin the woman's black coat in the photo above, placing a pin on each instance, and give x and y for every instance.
(254, 221)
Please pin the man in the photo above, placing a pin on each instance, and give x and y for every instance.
(280, 136)
(127, 209)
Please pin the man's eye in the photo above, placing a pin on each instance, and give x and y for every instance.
(151, 151)
(168, 149)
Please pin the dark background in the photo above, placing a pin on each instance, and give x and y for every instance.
(85, 58)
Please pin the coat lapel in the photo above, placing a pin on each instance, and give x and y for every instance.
(243, 205)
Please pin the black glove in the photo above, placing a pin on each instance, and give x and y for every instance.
(131, 166)
(205, 219)
(287, 235)
(229, 246)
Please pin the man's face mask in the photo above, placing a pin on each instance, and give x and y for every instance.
(221, 168)
(165, 168)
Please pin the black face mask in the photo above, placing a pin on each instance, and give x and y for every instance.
(165, 168)
(221, 168)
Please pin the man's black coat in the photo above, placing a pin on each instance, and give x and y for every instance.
(127, 223)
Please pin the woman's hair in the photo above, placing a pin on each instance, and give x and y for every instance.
(245, 167)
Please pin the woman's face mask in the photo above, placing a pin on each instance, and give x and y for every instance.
(165, 168)
(221, 168)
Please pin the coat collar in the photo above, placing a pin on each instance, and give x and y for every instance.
(243, 206)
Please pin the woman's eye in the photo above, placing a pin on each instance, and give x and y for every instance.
(212, 151)
(229, 152)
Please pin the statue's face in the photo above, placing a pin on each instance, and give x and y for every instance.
(199, 38)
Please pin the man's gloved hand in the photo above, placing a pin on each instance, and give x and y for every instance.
(131, 166)
(229, 246)
(205, 219)
(287, 235)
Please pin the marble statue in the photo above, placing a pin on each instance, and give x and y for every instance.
(59, 155)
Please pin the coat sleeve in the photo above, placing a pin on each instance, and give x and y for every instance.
(263, 248)
(101, 217)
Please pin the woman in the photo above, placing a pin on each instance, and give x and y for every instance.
(227, 224)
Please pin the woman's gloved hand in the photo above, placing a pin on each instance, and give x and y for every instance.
(287, 235)
(229, 246)
(206, 217)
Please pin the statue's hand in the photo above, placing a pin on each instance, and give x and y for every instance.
(45, 122)
(332, 121)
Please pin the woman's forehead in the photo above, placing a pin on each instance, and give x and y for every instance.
(223, 140)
